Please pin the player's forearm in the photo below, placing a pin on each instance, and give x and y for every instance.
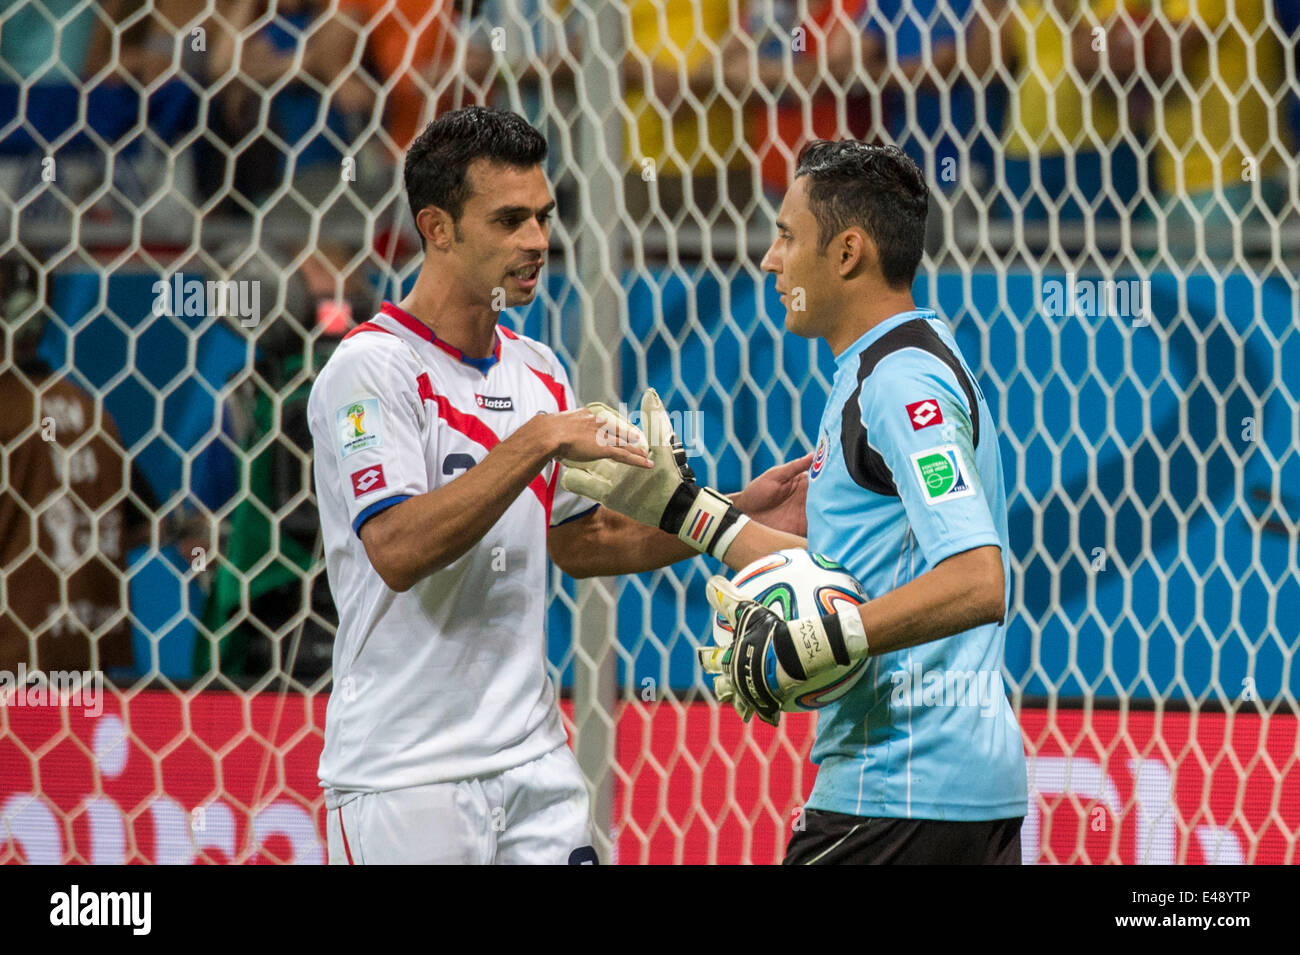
(964, 591)
(424, 534)
(608, 543)
(757, 540)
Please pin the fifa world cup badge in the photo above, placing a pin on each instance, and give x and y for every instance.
(359, 426)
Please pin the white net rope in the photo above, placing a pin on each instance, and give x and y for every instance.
(199, 197)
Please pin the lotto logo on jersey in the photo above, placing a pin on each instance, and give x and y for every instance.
(922, 414)
(360, 426)
(489, 403)
(942, 474)
(367, 480)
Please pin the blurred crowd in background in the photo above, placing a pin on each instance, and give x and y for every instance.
(1039, 109)
(274, 130)
(163, 109)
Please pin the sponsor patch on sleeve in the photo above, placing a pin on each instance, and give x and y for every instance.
(360, 425)
(942, 474)
(924, 413)
(367, 480)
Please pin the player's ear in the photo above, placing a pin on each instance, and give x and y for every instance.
(437, 227)
(853, 252)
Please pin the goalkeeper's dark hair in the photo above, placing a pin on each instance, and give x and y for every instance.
(877, 188)
(438, 161)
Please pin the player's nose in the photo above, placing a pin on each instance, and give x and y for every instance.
(537, 239)
(770, 263)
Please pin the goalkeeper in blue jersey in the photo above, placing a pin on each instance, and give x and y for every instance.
(922, 761)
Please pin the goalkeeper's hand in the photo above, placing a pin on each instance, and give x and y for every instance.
(767, 658)
(665, 496)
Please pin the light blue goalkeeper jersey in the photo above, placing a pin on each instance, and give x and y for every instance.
(906, 474)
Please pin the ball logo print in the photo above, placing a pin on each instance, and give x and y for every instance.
(924, 413)
(367, 480)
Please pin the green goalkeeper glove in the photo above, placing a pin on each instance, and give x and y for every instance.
(665, 496)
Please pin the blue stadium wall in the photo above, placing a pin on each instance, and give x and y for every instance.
(1176, 421)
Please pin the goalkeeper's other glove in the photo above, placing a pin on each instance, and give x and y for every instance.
(767, 657)
(665, 496)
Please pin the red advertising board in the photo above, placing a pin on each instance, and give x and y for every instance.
(215, 777)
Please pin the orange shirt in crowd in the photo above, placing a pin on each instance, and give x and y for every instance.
(407, 40)
(821, 111)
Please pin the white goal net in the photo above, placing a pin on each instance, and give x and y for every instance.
(199, 198)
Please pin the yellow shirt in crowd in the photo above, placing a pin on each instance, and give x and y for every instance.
(1221, 102)
(1051, 111)
(672, 32)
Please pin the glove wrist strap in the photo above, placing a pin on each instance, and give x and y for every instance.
(703, 518)
(818, 644)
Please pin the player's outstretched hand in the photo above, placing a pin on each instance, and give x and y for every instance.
(585, 435)
(779, 497)
(665, 496)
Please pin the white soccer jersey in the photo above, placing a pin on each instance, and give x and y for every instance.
(448, 680)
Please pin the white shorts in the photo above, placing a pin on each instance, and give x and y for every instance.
(534, 814)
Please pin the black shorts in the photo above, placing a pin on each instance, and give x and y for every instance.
(833, 838)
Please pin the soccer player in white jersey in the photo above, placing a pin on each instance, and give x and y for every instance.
(437, 436)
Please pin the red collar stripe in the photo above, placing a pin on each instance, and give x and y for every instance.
(417, 327)
(366, 327)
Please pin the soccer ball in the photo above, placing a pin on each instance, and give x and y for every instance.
(795, 583)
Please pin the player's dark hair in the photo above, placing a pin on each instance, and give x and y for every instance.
(878, 188)
(438, 161)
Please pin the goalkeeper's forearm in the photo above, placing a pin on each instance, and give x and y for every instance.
(960, 593)
(757, 540)
(965, 591)
(606, 543)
